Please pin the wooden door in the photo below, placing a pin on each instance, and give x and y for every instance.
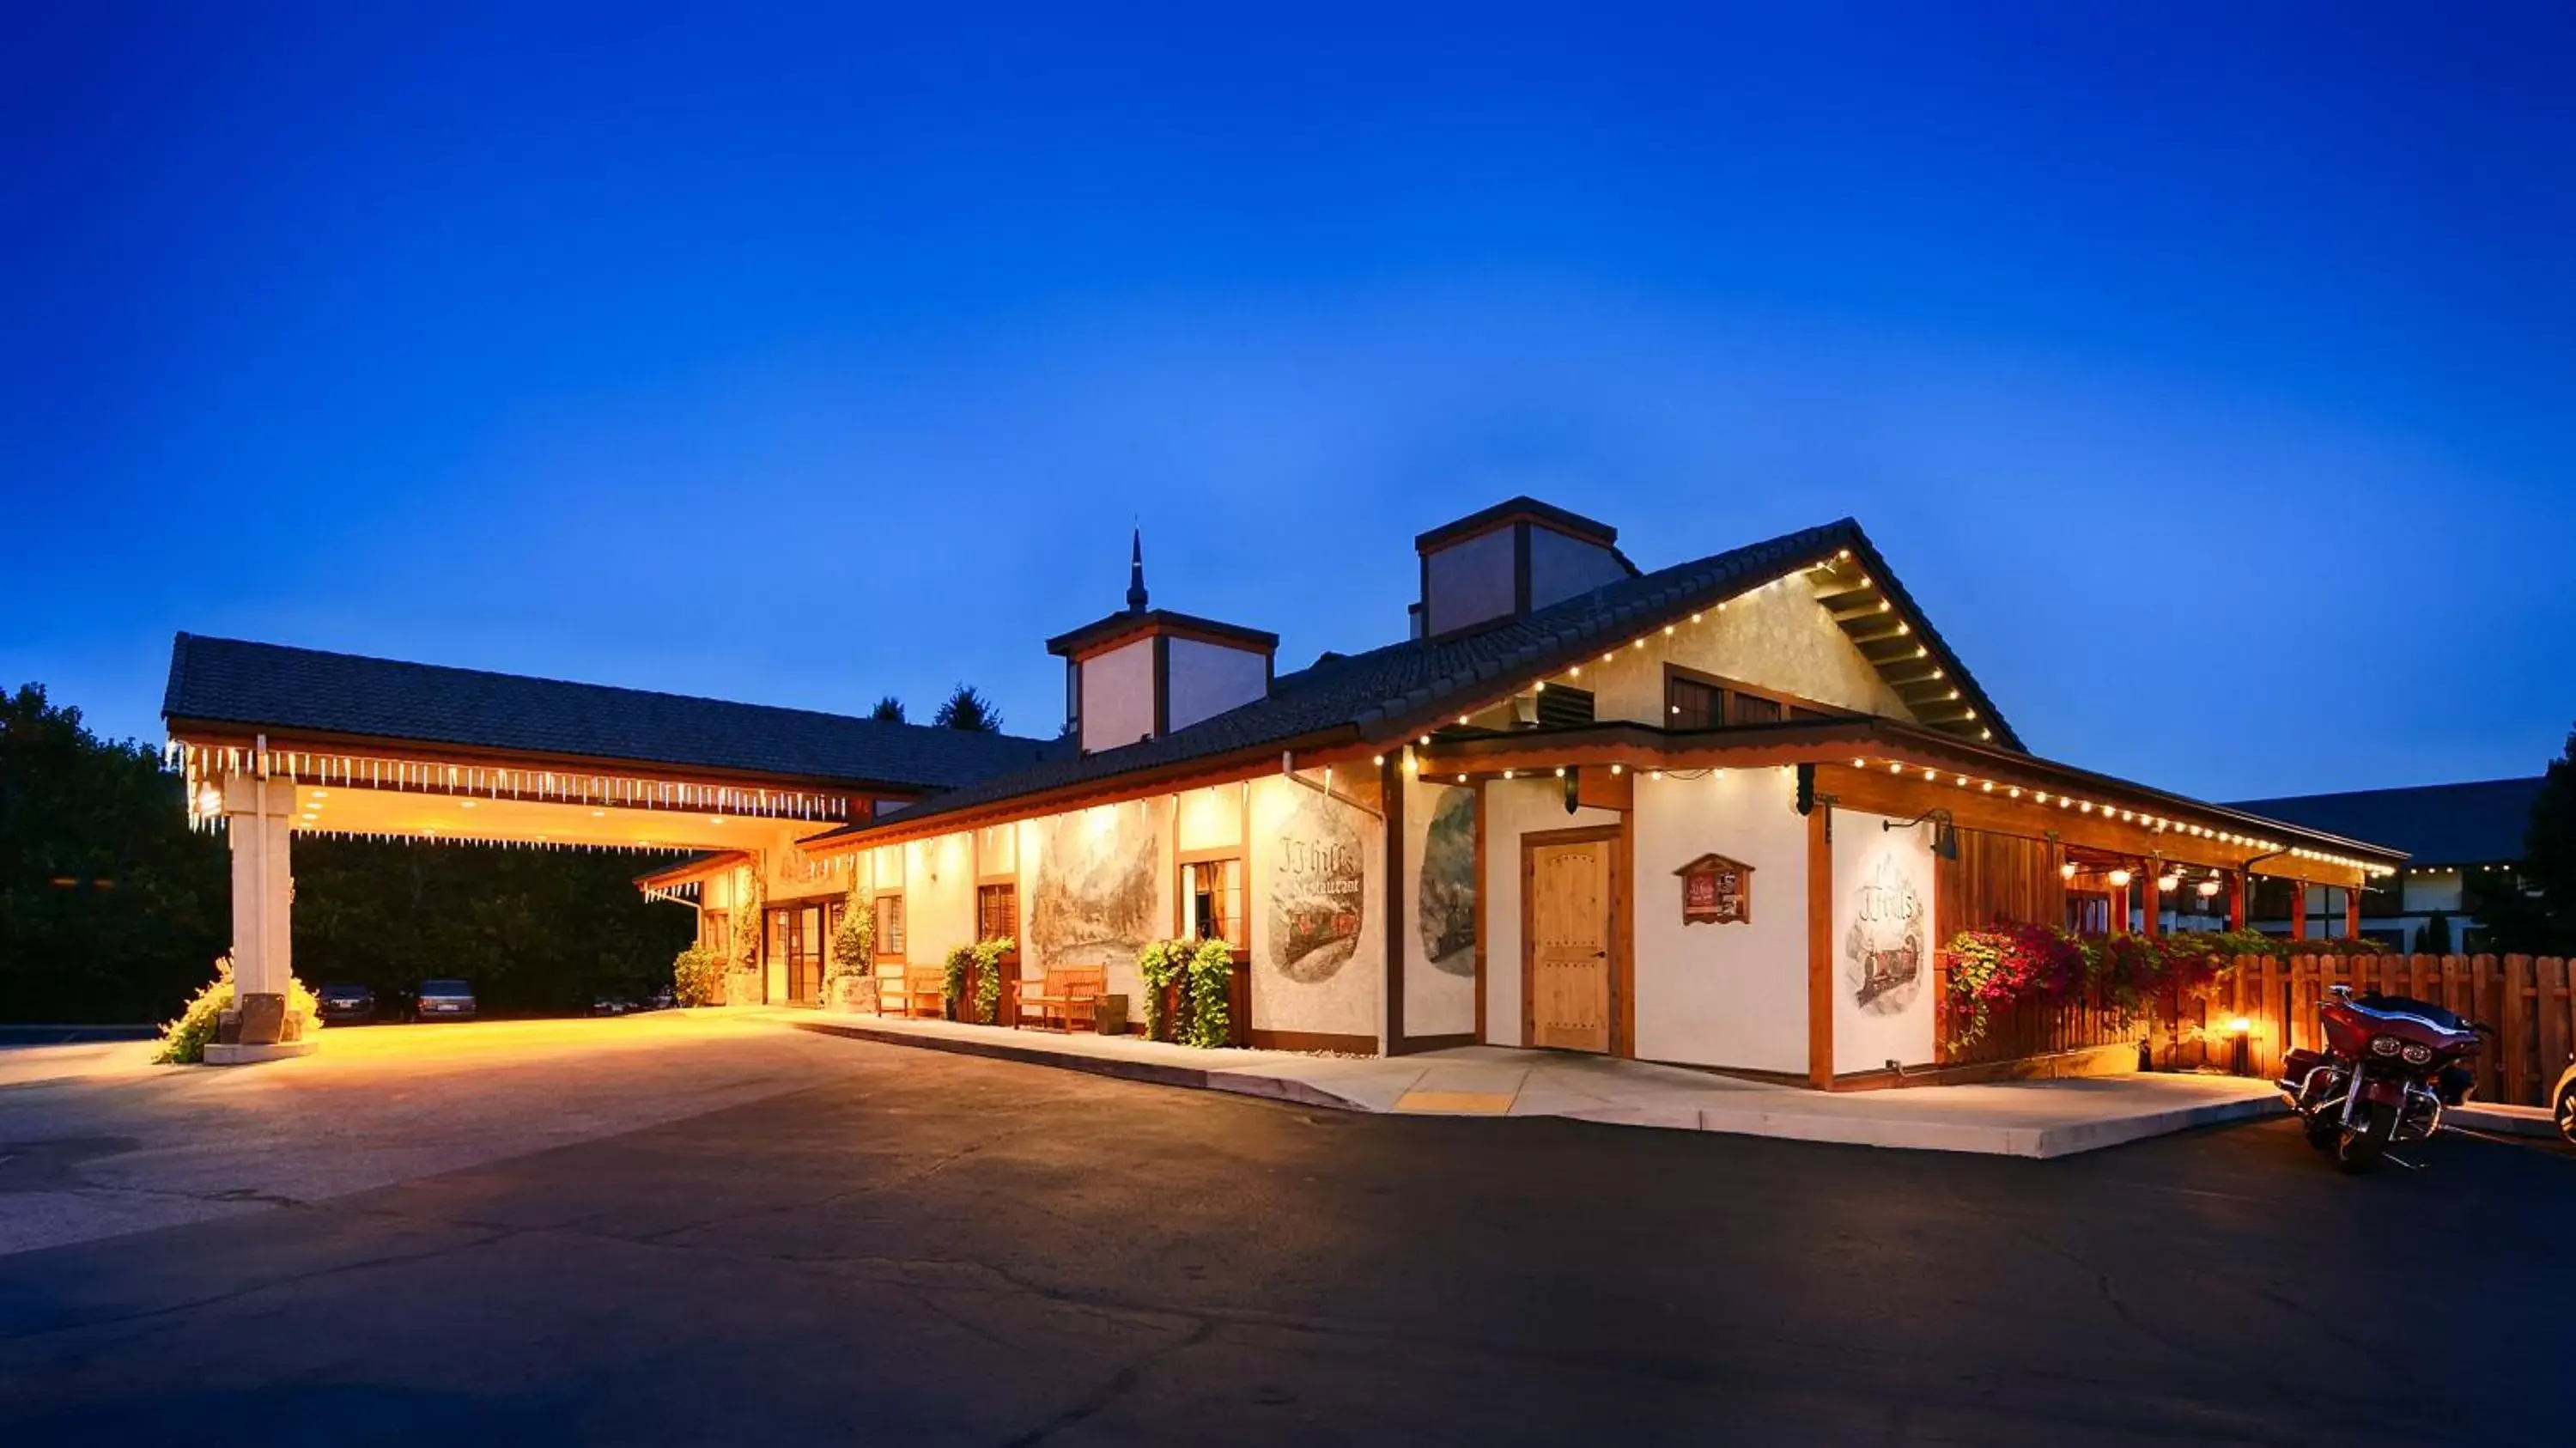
(1566, 944)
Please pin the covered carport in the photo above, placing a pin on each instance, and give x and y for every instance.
(275, 741)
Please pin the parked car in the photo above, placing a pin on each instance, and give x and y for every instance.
(343, 1004)
(2562, 1104)
(445, 1000)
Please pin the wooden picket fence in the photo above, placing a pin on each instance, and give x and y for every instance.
(2526, 998)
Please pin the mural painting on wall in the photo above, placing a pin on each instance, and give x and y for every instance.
(1884, 951)
(1315, 892)
(1093, 900)
(1447, 912)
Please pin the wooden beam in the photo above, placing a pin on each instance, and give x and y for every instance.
(1391, 798)
(1820, 948)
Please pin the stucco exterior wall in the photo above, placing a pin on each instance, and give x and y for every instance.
(938, 898)
(1439, 984)
(1513, 808)
(1730, 995)
(1118, 696)
(1776, 638)
(1318, 873)
(1209, 819)
(1208, 679)
(1883, 894)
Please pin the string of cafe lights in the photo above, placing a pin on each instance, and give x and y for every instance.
(2160, 824)
(204, 766)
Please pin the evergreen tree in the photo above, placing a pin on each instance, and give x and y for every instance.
(967, 709)
(2435, 938)
(889, 710)
(2531, 908)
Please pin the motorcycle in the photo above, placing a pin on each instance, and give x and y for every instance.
(2391, 1064)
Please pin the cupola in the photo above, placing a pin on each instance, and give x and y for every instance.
(1510, 559)
(1144, 672)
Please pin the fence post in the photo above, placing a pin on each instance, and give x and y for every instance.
(2516, 1025)
(2549, 996)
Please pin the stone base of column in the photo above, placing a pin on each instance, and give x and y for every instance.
(219, 1054)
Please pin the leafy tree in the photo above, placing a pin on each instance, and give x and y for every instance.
(889, 710)
(968, 709)
(111, 907)
(2532, 909)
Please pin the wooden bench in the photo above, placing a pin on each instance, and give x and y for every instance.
(1065, 995)
(912, 990)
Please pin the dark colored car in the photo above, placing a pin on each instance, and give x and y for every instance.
(344, 1005)
(445, 1000)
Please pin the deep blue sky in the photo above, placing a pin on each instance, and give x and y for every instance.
(2208, 375)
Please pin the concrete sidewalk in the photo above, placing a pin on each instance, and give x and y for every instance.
(2032, 1119)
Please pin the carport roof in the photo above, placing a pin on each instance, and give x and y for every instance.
(238, 686)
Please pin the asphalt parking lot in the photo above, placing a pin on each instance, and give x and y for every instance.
(899, 1246)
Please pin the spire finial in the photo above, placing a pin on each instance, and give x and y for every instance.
(1136, 572)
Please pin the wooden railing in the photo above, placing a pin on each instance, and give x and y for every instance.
(2526, 998)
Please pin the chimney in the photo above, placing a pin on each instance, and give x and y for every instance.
(1513, 558)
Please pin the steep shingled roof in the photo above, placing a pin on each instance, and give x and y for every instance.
(1385, 692)
(276, 688)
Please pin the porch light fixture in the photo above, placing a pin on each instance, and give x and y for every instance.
(1560, 771)
(2066, 871)
(1507, 774)
(2208, 887)
(2120, 879)
(1618, 768)
(1377, 759)
(2168, 882)
(1945, 834)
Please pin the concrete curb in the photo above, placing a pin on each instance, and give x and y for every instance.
(1900, 1130)
(1152, 1073)
(2503, 1120)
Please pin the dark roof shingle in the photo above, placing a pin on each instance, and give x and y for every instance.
(277, 688)
(2481, 823)
(1380, 691)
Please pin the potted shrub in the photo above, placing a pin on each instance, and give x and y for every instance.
(697, 977)
(852, 984)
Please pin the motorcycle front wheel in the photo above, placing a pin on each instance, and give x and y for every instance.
(2362, 1147)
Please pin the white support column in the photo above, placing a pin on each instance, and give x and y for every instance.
(257, 818)
(256, 812)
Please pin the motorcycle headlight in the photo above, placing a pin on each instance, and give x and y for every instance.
(2386, 1045)
(2418, 1055)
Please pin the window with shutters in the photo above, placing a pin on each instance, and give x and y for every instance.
(1212, 901)
(997, 912)
(1704, 701)
(889, 943)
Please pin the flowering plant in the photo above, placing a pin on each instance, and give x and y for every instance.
(2007, 965)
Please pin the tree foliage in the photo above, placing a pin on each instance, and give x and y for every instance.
(967, 708)
(2532, 909)
(889, 710)
(111, 907)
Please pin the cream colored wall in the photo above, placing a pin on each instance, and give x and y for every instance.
(1561, 567)
(1722, 995)
(1208, 679)
(1118, 696)
(1470, 582)
(1209, 819)
(1436, 1002)
(1777, 637)
(1286, 849)
(938, 898)
(1883, 896)
(1514, 808)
